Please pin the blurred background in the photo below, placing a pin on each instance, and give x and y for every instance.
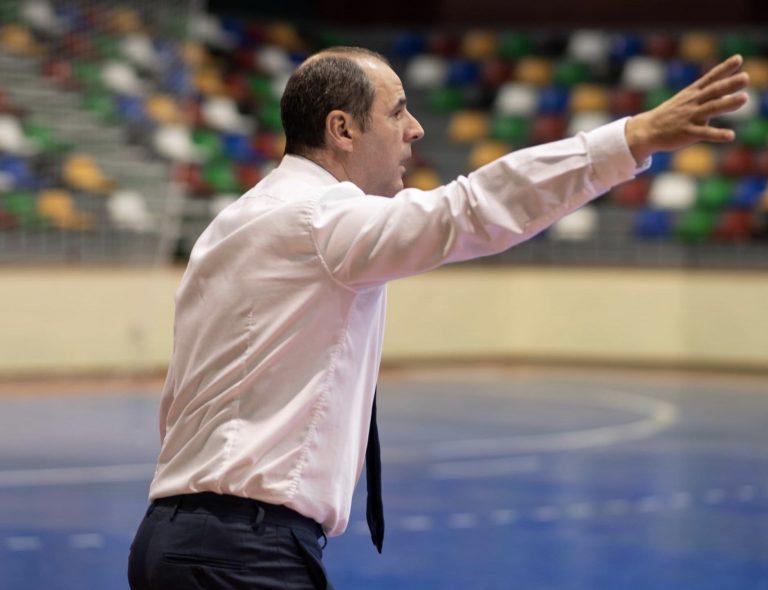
(586, 410)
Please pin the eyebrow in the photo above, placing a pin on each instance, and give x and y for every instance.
(400, 103)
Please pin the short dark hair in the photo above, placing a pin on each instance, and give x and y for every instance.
(327, 81)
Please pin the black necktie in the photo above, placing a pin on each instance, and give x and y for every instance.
(374, 511)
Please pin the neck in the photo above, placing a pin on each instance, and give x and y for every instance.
(336, 166)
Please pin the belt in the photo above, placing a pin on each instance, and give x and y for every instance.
(225, 505)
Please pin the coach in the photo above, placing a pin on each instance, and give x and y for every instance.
(268, 409)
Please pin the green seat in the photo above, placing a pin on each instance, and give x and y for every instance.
(106, 46)
(569, 72)
(88, 75)
(714, 193)
(696, 225)
(445, 100)
(657, 96)
(269, 116)
(209, 142)
(101, 105)
(742, 43)
(754, 132)
(220, 174)
(44, 138)
(261, 87)
(23, 206)
(515, 44)
(513, 130)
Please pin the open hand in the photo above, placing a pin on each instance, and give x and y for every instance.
(684, 118)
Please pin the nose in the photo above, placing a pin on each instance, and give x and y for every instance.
(414, 130)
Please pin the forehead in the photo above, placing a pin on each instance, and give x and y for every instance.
(389, 88)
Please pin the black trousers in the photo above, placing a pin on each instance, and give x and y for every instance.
(208, 541)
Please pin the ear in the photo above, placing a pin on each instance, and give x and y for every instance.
(340, 128)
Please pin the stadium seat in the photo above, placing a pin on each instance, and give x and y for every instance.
(514, 130)
(140, 51)
(643, 73)
(586, 122)
(589, 46)
(748, 192)
(714, 193)
(673, 191)
(40, 16)
(83, 173)
(652, 224)
(633, 193)
(468, 126)
(516, 44)
(697, 160)
(625, 101)
(18, 40)
(12, 138)
(757, 68)
(515, 98)
(17, 173)
(698, 47)
(750, 110)
(696, 225)
(163, 109)
(553, 100)
(221, 176)
(487, 151)
(445, 100)
(426, 72)
(682, 73)
(22, 206)
(623, 46)
(128, 210)
(479, 45)
(569, 72)
(661, 45)
(548, 128)
(423, 178)
(736, 160)
(589, 97)
(579, 226)
(175, 143)
(733, 226)
(534, 70)
(58, 207)
(221, 113)
(754, 132)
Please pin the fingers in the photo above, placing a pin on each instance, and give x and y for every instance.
(719, 106)
(723, 87)
(720, 71)
(715, 134)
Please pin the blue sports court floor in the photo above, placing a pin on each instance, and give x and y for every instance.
(534, 479)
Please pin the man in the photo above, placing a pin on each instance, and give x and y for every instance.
(269, 400)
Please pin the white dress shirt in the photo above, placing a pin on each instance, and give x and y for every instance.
(280, 314)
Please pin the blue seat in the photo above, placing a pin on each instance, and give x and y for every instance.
(748, 192)
(553, 100)
(652, 224)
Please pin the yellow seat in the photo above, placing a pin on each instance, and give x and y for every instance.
(479, 45)
(163, 109)
(18, 40)
(468, 126)
(82, 172)
(589, 97)
(699, 47)
(58, 207)
(696, 160)
(486, 152)
(757, 68)
(423, 178)
(534, 70)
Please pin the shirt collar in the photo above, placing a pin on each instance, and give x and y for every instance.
(302, 166)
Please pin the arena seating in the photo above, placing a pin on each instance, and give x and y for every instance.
(207, 107)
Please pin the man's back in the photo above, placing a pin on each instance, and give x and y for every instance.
(268, 395)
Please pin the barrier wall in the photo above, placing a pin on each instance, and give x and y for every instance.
(97, 320)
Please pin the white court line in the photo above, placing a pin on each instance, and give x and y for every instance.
(15, 478)
(462, 520)
(478, 468)
(86, 541)
(23, 543)
(658, 415)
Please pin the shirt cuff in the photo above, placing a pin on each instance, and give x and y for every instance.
(612, 161)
